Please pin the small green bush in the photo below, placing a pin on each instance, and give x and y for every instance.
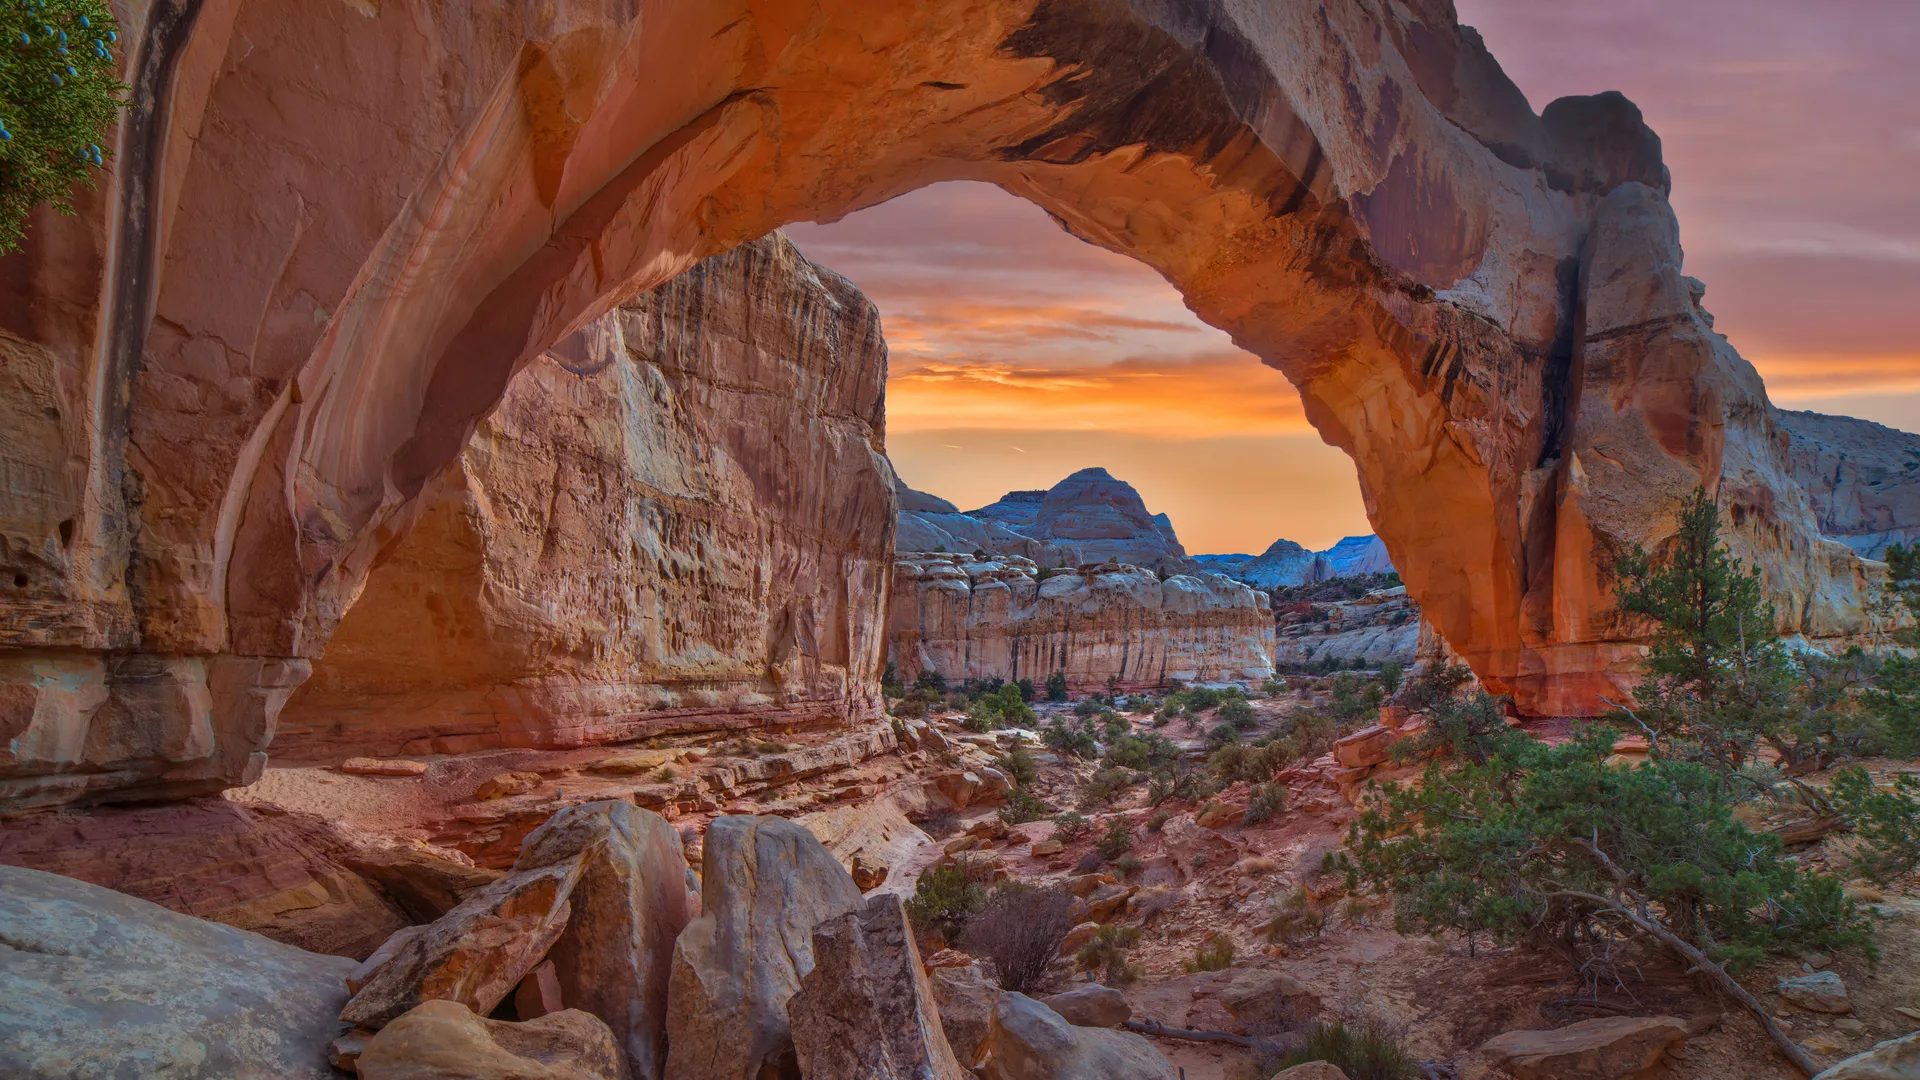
(1238, 712)
(1266, 800)
(1023, 806)
(1107, 953)
(1158, 821)
(1070, 826)
(944, 898)
(1057, 686)
(1215, 955)
(1118, 839)
(1363, 1051)
(1128, 864)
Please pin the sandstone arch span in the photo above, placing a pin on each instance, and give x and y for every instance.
(336, 230)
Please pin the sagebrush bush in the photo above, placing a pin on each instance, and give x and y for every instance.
(1214, 955)
(1017, 932)
(1107, 954)
(944, 899)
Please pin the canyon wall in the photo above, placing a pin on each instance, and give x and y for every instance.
(1089, 517)
(996, 616)
(1863, 478)
(331, 234)
(685, 526)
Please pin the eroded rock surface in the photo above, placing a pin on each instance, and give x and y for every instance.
(97, 985)
(765, 885)
(1606, 1048)
(1032, 1042)
(969, 617)
(1863, 478)
(442, 1040)
(684, 527)
(866, 1009)
(231, 378)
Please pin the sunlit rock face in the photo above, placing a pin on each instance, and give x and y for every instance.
(684, 527)
(997, 617)
(332, 234)
(1863, 478)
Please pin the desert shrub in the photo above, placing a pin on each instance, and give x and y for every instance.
(58, 97)
(1115, 726)
(1258, 865)
(1886, 824)
(1238, 712)
(1472, 727)
(1239, 762)
(1264, 801)
(890, 685)
(1026, 689)
(940, 825)
(1155, 899)
(1017, 762)
(1273, 687)
(1128, 864)
(1118, 839)
(931, 680)
(1213, 955)
(664, 774)
(998, 707)
(1087, 708)
(1390, 675)
(1067, 738)
(1297, 915)
(1107, 953)
(1364, 1051)
(944, 898)
(1150, 751)
(1089, 862)
(1057, 686)
(1023, 806)
(1308, 734)
(1222, 735)
(1070, 826)
(1105, 787)
(1158, 821)
(1018, 931)
(1356, 700)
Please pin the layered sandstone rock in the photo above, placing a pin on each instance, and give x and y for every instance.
(1863, 478)
(1286, 564)
(442, 1039)
(231, 376)
(684, 528)
(968, 617)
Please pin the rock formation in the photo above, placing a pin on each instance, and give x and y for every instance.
(1381, 626)
(866, 1009)
(1285, 563)
(683, 529)
(969, 617)
(99, 985)
(443, 1039)
(234, 373)
(1862, 478)
(1090, 517)
(765, 885)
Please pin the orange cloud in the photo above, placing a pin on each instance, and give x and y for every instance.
(1812, 376)
(1206, 396)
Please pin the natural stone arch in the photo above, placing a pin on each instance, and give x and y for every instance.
(336, 231)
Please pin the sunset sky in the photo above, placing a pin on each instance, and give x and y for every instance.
(1020, 354)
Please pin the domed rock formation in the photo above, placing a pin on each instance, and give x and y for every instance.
(256, 346)
(1090, 517)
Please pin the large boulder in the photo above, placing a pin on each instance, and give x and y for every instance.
(1895, 1059)
(966, 1001)
(629, 907)
(766, 883)
(1312, 1070)
(866, 1009)
(1091, 1005)
(1607, 1048)
(1268, 997)
(444, 1040)
(96, 984)
(1032, 1042)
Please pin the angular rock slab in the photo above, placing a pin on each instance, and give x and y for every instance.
(1895, 1059)
(96, 984)
(1255, 997)
(766, 884)
(443, 1040)
(628, 908)
(866, 1009)
(1608, 1048)
(1312, 1070)
(475, 954)
(966, 1002)
(1032, 1042)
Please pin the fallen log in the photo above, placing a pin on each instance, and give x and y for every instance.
(1163, 1031)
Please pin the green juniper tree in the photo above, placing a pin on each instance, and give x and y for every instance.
(58, 95)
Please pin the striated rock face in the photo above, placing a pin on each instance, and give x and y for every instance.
(967, 617)
(1862, 478)
(443, 1039)
(686, 527)
(230, 378)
